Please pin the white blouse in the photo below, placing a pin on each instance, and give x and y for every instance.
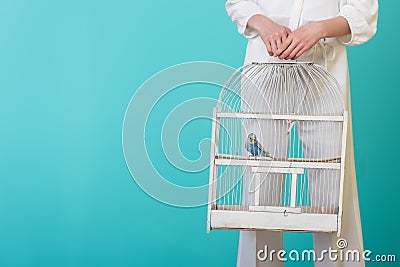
(361, 14)
(330, 53)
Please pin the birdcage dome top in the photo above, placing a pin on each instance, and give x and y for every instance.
(282, 88)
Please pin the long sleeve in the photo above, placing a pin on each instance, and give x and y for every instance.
(240, 12)
(362, 16)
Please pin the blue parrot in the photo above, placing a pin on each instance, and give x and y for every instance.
(254, 147)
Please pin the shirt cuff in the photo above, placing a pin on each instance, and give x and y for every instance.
(349, 38)
(245, 30)
(358, 26)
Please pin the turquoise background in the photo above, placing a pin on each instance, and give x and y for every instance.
(67, 72)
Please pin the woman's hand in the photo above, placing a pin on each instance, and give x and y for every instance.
(273, 35)
(305, 37)
(300, 41)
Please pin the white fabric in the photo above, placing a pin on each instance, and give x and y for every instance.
(331, 53)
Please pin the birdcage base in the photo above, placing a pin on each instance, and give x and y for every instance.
(283, 209)
(249, 220)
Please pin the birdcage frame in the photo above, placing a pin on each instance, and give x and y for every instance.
(275, 218)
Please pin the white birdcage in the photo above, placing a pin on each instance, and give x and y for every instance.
(278, 150)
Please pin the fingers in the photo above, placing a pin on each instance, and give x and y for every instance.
(268, 45)
(274, 46)
(284, 45)
(295, 51)
(279, 43)
(292, 50)
(288, 51)
(275, 43)
(284, 41)
(272, 43)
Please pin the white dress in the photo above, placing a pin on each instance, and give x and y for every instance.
(330, 53)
